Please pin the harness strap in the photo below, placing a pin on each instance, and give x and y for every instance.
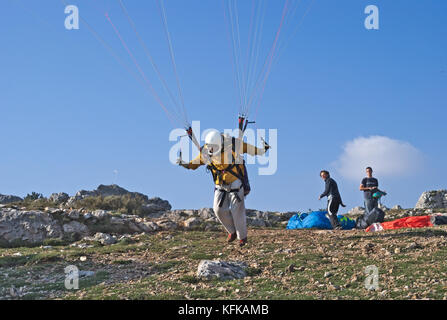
(239, 174)
(219, 173)
(224, 196)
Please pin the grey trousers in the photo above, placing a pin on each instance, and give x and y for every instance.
(231, 213)
(370, 203)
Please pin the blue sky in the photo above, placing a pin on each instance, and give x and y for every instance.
(71, 114)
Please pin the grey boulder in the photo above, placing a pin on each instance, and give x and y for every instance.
(76, 228)
(104, 238)
(156, 205)
(192, 223)
(357, 211)
(60, 197)
(432, 200)
(221, 270)
(28, 227)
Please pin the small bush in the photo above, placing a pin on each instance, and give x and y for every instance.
(34, 201)
(33, 196)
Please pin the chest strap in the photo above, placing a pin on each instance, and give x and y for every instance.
(219, 173)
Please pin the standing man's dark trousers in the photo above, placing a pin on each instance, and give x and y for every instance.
(333, 205)
(370, 202)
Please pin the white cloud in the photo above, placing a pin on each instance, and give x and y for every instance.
(387, 157)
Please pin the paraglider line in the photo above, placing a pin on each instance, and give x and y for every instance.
(152, 90)
(150, 58)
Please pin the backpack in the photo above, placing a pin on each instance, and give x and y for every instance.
(375, 215)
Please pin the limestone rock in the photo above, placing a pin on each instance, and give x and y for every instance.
(156, 205)
(357, 211)
(117, 221)
(83, 273)
(104, 238)
(60, 197)
(110, 190)
(256, 222)
(71, 201)
(149, 226)
(82, 194)
(221, 270)
(73, 214)
(100, 214)
(192, 223)
(75, 227)
(432, 200)
(134, 227)
(206, 213)
(28, 227)
(87, 215)
(166, 224)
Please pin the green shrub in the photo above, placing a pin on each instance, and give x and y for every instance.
(33, 196)
(125, 204)
(31, 203)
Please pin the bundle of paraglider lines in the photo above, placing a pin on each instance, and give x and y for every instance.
(251, 66)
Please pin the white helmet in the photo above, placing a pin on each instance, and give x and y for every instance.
(213, 142)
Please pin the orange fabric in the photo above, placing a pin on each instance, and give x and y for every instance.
(408, 222)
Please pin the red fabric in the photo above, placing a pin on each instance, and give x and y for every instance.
(408, 222)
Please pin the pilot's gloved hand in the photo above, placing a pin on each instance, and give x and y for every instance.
(266, 145)
(181, 163)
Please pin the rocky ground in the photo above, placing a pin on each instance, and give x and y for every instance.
(159, 253)
(278, 264)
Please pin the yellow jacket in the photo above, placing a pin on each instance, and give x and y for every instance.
(224, 161)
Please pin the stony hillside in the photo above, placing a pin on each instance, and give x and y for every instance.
(142, 249)
(279, 264)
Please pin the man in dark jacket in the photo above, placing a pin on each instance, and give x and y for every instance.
(334, 198)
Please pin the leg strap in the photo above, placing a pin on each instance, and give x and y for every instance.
(224, 196)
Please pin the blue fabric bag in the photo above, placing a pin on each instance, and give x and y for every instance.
(318, 220)
(295, 222)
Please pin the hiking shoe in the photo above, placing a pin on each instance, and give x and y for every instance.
(242, 242)
(338, 228)
(231, 237)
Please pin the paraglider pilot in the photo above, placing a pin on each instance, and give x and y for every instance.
(223, 156)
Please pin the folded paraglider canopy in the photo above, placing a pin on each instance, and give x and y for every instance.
(318, 220)
(409, 222)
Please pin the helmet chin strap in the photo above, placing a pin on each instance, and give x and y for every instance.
(213, 153)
